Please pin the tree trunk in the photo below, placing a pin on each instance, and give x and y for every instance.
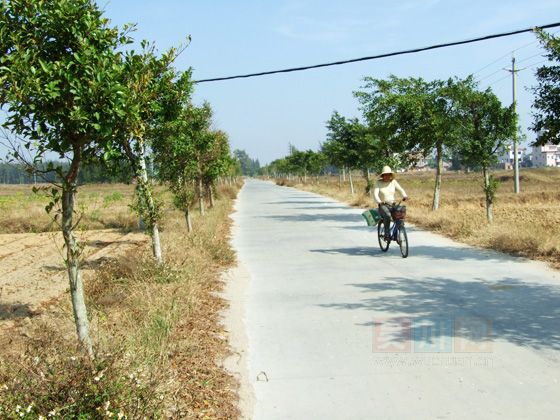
(146, 195)
(344, 174)
(351, 182)
(439, 170)
(366, 176)
(156, 244)
(211, 195)
(188, 220)
(200, 197)
(489, 199)
(73, 267)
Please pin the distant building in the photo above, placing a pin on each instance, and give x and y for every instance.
(547, 155)
(420, 164)
(506, 158)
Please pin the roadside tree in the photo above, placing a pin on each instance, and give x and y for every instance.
(412, 117)
(547, 105)
(341, 146)
(216, 162)
(155, 93)
(61, 87)
(486, 128)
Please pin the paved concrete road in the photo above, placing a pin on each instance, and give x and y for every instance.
(339, 330)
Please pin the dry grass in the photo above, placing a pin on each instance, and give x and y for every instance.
(101, 206)
(527, 224)
(157, 336)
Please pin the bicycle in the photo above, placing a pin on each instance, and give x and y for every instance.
(397, 230)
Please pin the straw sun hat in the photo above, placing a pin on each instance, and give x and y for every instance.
(387, 170)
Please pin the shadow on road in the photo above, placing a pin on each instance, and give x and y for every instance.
(304, 217)
(322, 208)
(522, 313)
(310, 201)
(425, 251)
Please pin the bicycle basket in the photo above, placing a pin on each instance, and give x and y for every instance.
(398, 212)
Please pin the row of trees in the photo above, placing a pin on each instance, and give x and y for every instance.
(411, 118)
(404, 119)
(71, 87)
(298, 163)
(14, 173)
(247, 165)
(191, 157)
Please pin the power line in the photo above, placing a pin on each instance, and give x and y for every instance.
(509, 53)
(507, 76)
(533, 56)
(375, 57)
(493, 62)
(529, 66)
(491, 74)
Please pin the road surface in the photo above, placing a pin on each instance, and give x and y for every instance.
(339, 330)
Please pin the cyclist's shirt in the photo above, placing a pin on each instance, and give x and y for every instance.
(384, 192)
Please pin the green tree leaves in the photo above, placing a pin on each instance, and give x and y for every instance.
(61, 86)
(248, 166)
(547, 93)
(68, 87)
(190, 155)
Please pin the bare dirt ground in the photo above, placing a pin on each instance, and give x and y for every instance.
(32, 271)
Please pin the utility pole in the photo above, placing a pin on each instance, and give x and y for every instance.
(515, 148)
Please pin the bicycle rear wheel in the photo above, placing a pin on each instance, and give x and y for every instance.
(383, 243)
(403, 241)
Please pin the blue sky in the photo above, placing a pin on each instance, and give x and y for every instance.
(263, 115)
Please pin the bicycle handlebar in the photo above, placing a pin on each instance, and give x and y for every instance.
(394, 203)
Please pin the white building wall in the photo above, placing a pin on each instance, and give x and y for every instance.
(508, 155)
(547, 155)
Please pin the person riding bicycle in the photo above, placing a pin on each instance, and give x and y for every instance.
(384, 195)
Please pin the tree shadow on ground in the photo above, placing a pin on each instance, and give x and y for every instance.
(508, 309)
(321, 208)
(425, 251)
(316, 217)
(103, 244)
(310, 201)
(92, 264)
(14, 311)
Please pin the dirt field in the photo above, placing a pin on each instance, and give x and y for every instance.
(155, 328)
(33, 272)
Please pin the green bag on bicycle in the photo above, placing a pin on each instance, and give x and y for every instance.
(372, 217)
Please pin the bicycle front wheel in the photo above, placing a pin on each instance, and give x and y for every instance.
(403, 241)
(383, 243)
